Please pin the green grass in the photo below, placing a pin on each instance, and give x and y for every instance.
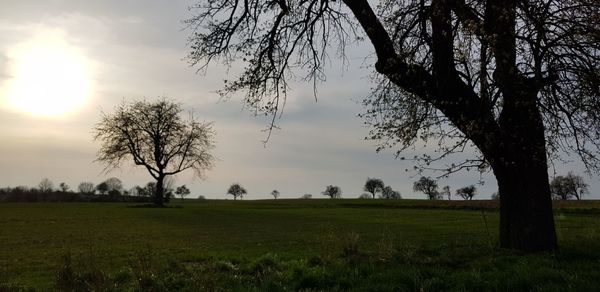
(293, 244)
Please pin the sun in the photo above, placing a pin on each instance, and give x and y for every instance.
(50, 78)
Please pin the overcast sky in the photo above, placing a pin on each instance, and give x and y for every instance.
(136, 49)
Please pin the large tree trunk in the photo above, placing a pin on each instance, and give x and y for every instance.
(526, 218)
(521, 169)
(515, 146)
(159, 194)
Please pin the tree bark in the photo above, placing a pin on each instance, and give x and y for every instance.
(514, 145)
(521, 169)
(159, 195)
(526, 217)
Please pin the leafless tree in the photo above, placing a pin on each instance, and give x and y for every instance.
(182, 191)
(64, 187)
(427, 186)
(516, 80)
(333, 192)
(446, 193)
(46, 185)
(388, 193)
(373, 186)
(86, 188)
(236, 190)
(467, 193)
(567, 187)
(154, 135)
(275, 194)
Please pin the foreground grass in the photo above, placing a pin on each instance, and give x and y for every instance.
(286, 245)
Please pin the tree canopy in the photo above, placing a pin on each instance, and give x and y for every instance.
(333, 192)
(154, 135)
(568, 187)
(518, 81)
(427, 186)
(467, 193)
(373, 186)
(236, 190)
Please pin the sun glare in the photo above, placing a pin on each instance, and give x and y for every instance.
(49, 77)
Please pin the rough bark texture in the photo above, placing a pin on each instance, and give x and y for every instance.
(520, 166)
(514, 146)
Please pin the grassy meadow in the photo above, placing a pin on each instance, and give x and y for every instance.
(297, 245)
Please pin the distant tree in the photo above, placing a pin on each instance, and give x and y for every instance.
(236, 191)
(102, 188)
(22, 189)
(275, 194)
(428, 186)
(112, 187)
(154, 135)
(446, 193)
(333, 192)
(150, 189)
(577, 185)
(137, 191)
(306, 196)
(114, 184)
(64, 187)
(182, 191)
(388, 193)
(86, 188)
(201, 197)
(46, 185)
(567, 187)
(373, 186)
(365, 196)
(467, 193)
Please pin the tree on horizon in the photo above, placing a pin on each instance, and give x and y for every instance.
(236, 190)
(373, 186)
(154, 135)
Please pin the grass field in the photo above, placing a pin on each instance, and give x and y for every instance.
(292, 245)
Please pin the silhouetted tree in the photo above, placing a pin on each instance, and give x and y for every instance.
(275, 194)
(446, 193)
(567, 187)
(182, 191)
(333, 192)
(388, 193)
(428, 186)
(518, 80)
(149, 189)
(155, 136)
(373, 186)
(64, 187)
(467, 193)
(114, 184)
(46, 186)
(86, 188)
(236, 191)
(102, 188)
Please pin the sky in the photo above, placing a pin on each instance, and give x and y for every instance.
(114, 51)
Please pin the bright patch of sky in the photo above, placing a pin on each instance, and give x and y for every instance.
(136, 49)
